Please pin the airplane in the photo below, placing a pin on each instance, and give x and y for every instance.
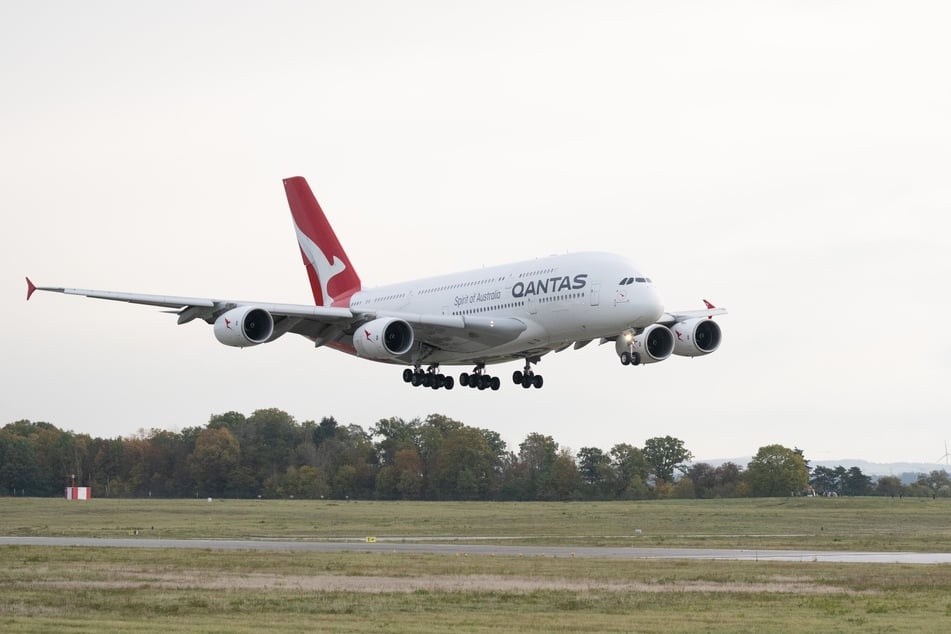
(520, 311)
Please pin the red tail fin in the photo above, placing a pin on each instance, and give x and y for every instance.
(332, 277)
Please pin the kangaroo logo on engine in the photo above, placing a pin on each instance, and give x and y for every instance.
(550, 285)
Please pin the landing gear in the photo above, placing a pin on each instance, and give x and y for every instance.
(479, 379)
(624, 346)
(526, 378)
(630, 358)
(428, 378)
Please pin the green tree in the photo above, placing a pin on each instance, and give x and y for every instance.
(537, 452)
(937, 483)
(326, 429)
(564, 480)
(729, 481)
(632, 471)
(777, 471)
(889, 485)
(45, 458)
(395, 434)
(303, 483)
(216, 455)
(233, 421)
(349, 463)
(665, 455)
(464, 467)
(854, 482)
(825, 480)
(598, 474)
(345, 482)
(275, 435)
(514, 479)
(408, 468)
(496, 444)
(704, 479)
(431, 435)
(106, 466)
(19, 473)
(684, 489)
(589, 459)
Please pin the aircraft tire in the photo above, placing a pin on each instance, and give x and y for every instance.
(517, 376)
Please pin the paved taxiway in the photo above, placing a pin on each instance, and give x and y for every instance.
(396, 546)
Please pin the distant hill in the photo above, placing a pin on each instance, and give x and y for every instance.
(874, 469)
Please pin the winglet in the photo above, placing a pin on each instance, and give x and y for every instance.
(709, 305)
(30, 288)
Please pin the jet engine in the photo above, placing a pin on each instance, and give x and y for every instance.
(383, 339)
(244, 326)
(654, 343)
(696, 337)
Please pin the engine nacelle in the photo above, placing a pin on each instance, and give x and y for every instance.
(654, 343)
(244, 326)
(696, 337)
(386, 338)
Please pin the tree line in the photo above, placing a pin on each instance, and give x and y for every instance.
(270, 455)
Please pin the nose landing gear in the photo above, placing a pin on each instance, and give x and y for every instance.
(630, 358)
(624, 346)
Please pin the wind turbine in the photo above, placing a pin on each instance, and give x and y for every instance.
(947, 456)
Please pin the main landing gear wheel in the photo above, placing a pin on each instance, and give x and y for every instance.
(479, 380)
(528, 379)
(428, 378)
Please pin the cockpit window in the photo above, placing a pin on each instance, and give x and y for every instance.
(640, 279)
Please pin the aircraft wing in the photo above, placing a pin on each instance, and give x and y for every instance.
(323, 324)
(709, 312)
(190, 308)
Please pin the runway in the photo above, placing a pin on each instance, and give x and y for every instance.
(398, 546)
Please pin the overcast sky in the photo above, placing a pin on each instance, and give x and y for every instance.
(790, 161)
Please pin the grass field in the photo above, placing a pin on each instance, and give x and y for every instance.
(913, 524)
(93, 589)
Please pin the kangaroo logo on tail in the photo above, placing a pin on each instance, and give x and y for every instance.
(326, 270)
(332, 277)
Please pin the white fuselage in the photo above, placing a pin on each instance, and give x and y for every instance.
(562, 300)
